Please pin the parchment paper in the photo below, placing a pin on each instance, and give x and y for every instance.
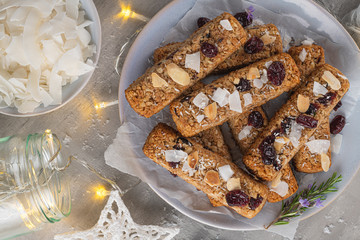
(125, 154)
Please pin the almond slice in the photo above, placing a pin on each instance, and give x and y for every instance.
(212, 178)
(253, 73)
(333, 82)
(279, 143)
(211, 111)
(158, 81)
(276, 181)
(303, 103)
(233, 184)
(193, 159)
(267, 39)
(325, 162)
(178, 74)
(236, 80)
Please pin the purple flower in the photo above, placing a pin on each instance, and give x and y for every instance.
(310, 186)
(318, 203)
(304, 202)
(249, 11)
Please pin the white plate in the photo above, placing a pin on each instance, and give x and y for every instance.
(70, 90)
(152, 35)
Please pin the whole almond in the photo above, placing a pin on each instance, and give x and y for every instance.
(157, 81)
(233, 184)
(253, 73)
(267, 39)
(211, 111)
(193, 159)
(333, 82)
(303, 103)
(325, 162)
(212, 178)
(178, 74)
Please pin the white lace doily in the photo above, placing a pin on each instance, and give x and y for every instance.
(115, 222)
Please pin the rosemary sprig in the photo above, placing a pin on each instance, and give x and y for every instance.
(307, 198)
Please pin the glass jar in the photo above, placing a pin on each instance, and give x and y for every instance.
(33, 189)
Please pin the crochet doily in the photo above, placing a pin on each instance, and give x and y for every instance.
(115, 222)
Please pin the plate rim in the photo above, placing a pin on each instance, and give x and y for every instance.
(187, 212)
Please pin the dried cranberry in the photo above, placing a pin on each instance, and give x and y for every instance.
(268, 154)
(255, 202)
(276, 73)
(183, 140)
(173, 174)
(328, 98)
(313, 107)
(243, 85)
(338, 105)
(307, 121)
(174, 164)
(285, 125)
(202, 21)
(253, 45)
(237, 198)
(255, 119)
(244, 18)
(209, 50)
(267, 141)
(337, 124)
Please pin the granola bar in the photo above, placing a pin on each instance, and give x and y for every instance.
(296, 121)
(194, 59)
(285, 184)
(216, 176)
(307, 58)
(237, 92)
(268, 34)
(312, 162)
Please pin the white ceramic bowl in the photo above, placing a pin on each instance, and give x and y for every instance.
(70, 91)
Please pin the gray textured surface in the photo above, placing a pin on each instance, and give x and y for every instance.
(88, 133)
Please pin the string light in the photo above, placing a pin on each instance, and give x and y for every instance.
(127, 13)
(105, 104)
(101, 192)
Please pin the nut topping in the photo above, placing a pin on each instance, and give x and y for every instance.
(333, 82)
(193, 159)
(279, 143)
(157, 81)
(325, 162)
(303, 103)
(211, 111)
(276, 181)
(267, 39)
(233, 184)
(253, 73)
(178, 74)
(212, 178)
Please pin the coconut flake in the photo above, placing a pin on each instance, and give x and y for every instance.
(318, 146)
(258, 83)
(235, 102)
(244, 132)
(188, 169)
(267, 64)
(264, 77)
(286, 41)
(247, 99)
(199, 118)
(336, 141)
(226, 172)
(282, 189)
(308, 41)
(302, 55)
(295, 133)
(192, 61)
(226, 24)
(221, 96)
(201, 100)
(342, 76)
(319, 89)
(175, 155)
